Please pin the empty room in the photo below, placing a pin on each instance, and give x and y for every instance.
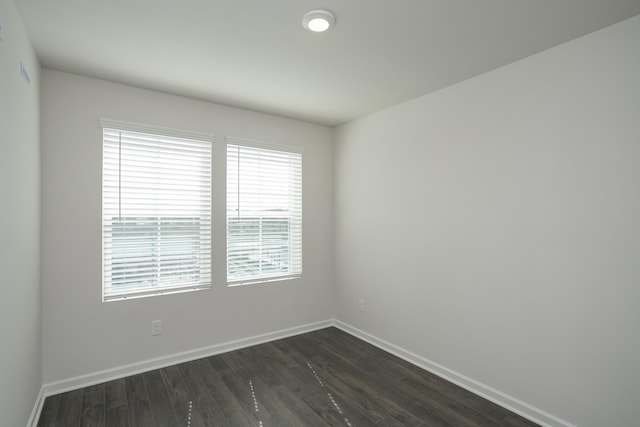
(314, 213)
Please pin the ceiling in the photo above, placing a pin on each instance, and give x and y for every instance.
(254, 54)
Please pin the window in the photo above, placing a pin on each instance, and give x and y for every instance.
(264, 212)
(156, 211)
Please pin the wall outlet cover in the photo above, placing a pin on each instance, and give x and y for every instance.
(156, 327)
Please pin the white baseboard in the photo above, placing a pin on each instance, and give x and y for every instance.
(37, 409)
(164, 361)
(521, 408)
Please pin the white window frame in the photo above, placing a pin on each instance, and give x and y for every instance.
(176, 222)
(274, 257)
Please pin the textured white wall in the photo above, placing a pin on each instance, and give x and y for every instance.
(493, 227)
(82, 335)
(20, 318)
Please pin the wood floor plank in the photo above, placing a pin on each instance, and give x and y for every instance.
(240, 420)
(366, 400)
(241, 390)
(392, 421)
(205, 403)
(443, 406)
(284, 346)
(284, 368)
(296, 404)
(218, 362)
(49, 411)
(339, 340)
(93, 414)
(352, 414)
(180, 397)
(139, 409)
(391, 368)
(280, 412)
(344, 382)
(513, 420)
(247, 364)
(281, 357)
(116, 409)
(456, 407)
(118, 416)
(70, 409)
(161, 407)
(431, 399)
(115, 394)
(227, 402)
(334, 412)
(254, 363)
(267, 365)
(376, 394)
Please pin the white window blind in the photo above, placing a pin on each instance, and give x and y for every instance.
(264, 212)
(156, 203)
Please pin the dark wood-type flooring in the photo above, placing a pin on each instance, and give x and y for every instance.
(323, 378)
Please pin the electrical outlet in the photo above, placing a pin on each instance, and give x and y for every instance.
(361, 305)
(156, 327)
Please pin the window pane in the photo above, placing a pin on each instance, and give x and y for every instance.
(264, 213)
(156, 214)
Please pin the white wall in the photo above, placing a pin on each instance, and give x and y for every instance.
(82, 335)
(493, 227)
(20, 319)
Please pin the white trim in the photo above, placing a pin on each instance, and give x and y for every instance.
(142, 128)
(517, 406)
(255, 281)
(265, 145)
(37, 409)
(186, 356)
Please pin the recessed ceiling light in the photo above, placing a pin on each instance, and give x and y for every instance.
(318, 20)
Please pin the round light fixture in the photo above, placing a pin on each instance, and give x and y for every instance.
(318, 20)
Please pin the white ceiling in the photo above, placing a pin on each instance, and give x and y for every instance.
(255, 54)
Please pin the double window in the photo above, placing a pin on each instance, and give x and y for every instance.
(157, 216)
